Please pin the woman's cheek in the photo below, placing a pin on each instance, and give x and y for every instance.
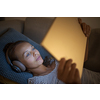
(30, 60)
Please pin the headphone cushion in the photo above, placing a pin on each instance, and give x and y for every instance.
(19, 64)
(15, 68)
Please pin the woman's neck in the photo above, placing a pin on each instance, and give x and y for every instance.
(39, 70)
(42, 70)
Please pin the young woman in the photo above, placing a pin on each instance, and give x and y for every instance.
(53, 73)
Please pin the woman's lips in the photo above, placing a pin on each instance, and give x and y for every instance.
(38, 58)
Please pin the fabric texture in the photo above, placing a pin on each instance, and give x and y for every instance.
(50, 78)
(88, 77)
(5, 70)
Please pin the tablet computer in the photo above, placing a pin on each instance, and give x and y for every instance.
(65, 38)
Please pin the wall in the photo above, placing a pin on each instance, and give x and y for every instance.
(14, 18)
(94, 22)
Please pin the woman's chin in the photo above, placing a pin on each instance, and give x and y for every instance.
(40, 61)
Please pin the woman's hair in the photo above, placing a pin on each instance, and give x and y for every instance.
(48, 61)
(11, 52)
(11, 49)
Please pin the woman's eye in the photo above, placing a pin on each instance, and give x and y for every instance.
(27, 54)
(33, 49)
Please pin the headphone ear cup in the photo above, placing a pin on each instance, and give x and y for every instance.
(15, 68)
(19, 65)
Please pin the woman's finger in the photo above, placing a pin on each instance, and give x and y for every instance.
(67, 67)
(77, 77)
(83, 25)
(88, 30)
(72, 72)
(64, 76)
(79, 20)
(61, 66)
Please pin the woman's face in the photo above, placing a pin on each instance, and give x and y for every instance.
(28, 55)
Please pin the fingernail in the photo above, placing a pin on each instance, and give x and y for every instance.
(62, 58)
(70, 60)
(74, 64)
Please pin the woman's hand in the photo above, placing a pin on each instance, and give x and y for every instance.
(86, 28)
(67, 72)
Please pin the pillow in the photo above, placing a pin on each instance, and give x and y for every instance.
(5, 70)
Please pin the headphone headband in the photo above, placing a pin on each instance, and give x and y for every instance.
(16, 65)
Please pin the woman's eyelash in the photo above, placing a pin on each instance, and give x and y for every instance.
(27, 54)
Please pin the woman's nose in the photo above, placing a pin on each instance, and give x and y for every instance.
(34, 53)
